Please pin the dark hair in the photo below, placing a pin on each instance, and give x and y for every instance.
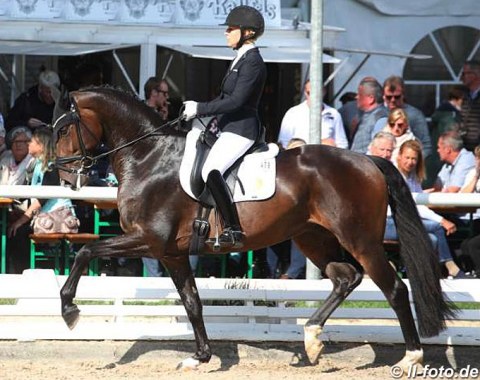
(151, 84)
(456, 92)
(392, 82)
(348, 97)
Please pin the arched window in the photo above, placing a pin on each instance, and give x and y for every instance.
(427, 81)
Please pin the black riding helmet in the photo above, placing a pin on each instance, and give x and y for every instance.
(246, 17)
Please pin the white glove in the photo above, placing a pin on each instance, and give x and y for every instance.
(190, 110)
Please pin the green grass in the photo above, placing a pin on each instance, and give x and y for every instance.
(312, 304)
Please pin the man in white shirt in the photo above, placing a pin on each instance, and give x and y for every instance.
(296, 124)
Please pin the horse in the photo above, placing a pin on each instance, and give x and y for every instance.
(326, 198)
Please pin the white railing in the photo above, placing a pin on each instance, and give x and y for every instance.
(110, 193)
(235, 309)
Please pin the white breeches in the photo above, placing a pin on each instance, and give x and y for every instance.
(226, 150)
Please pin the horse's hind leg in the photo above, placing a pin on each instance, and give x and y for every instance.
(344, 276)
(396, 293)
(181, 274)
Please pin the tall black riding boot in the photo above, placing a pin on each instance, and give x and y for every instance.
(232, 234)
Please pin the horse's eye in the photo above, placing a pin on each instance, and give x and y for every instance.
(63, 132)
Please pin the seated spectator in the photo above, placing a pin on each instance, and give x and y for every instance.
(41, 147)
(411, 165)
(34, 108)
(397, 125)
(470, 247)
(15, 163)
(382, 145)
(457, 163)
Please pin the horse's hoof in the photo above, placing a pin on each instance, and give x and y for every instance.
(313, 344)
(410, 360)
(189, 364)
(71, 315)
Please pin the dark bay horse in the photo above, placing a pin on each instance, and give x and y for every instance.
(325, 198)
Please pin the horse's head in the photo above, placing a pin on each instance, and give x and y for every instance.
(77, 134)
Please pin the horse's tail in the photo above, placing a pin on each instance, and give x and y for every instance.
(417, 253)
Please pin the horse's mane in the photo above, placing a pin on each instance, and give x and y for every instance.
(174, 129)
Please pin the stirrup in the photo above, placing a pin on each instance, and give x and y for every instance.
(231, 238)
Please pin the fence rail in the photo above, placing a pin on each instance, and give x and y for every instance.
(235, 309)
(110, 194)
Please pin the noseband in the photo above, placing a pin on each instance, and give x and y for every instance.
(86, 161)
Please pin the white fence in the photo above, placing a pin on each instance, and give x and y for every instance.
(235, 309)
(110, 193)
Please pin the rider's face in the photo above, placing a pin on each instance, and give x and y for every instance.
(233, 34)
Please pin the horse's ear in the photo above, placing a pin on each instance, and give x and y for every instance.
(73, 104)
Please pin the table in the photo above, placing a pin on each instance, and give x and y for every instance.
(4, 205)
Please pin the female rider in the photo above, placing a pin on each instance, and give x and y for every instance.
(236, 109)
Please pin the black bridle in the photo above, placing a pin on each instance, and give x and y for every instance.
(86, 161)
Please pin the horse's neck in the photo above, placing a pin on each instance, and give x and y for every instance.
(154, 153)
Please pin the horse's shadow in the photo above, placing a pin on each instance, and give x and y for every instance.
(434, 355)
(229, 353)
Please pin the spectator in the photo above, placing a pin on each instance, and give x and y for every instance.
(157, 95)
(411, 165)
(457, 163)
(447, 117)
(296, 124)
(382, 145)
(470, 247)
(471, 107)
(41, 147)
(350, 116)
(34, 108)
(369, 103)
(15, 163)
(298, 262)
(3, 146)
(397, 125)
(348, 97)
(394, 97)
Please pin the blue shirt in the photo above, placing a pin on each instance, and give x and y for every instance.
(50, 204)
(455, 174)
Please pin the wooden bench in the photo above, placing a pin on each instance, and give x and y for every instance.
(60, 249)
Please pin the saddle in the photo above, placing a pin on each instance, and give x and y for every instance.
(207, 138)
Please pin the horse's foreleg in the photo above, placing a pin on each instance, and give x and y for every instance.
(181, 274)
(345, 278)
(119, 246)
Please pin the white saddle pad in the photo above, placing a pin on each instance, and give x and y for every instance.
(256, 173)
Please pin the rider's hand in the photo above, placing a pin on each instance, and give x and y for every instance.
(190, 110)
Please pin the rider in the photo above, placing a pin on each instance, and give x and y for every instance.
(237, 111)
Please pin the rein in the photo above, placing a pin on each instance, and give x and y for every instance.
(86, 161)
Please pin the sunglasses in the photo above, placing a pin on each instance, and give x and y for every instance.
(165, 93)
(390, 97)
(231, 29)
